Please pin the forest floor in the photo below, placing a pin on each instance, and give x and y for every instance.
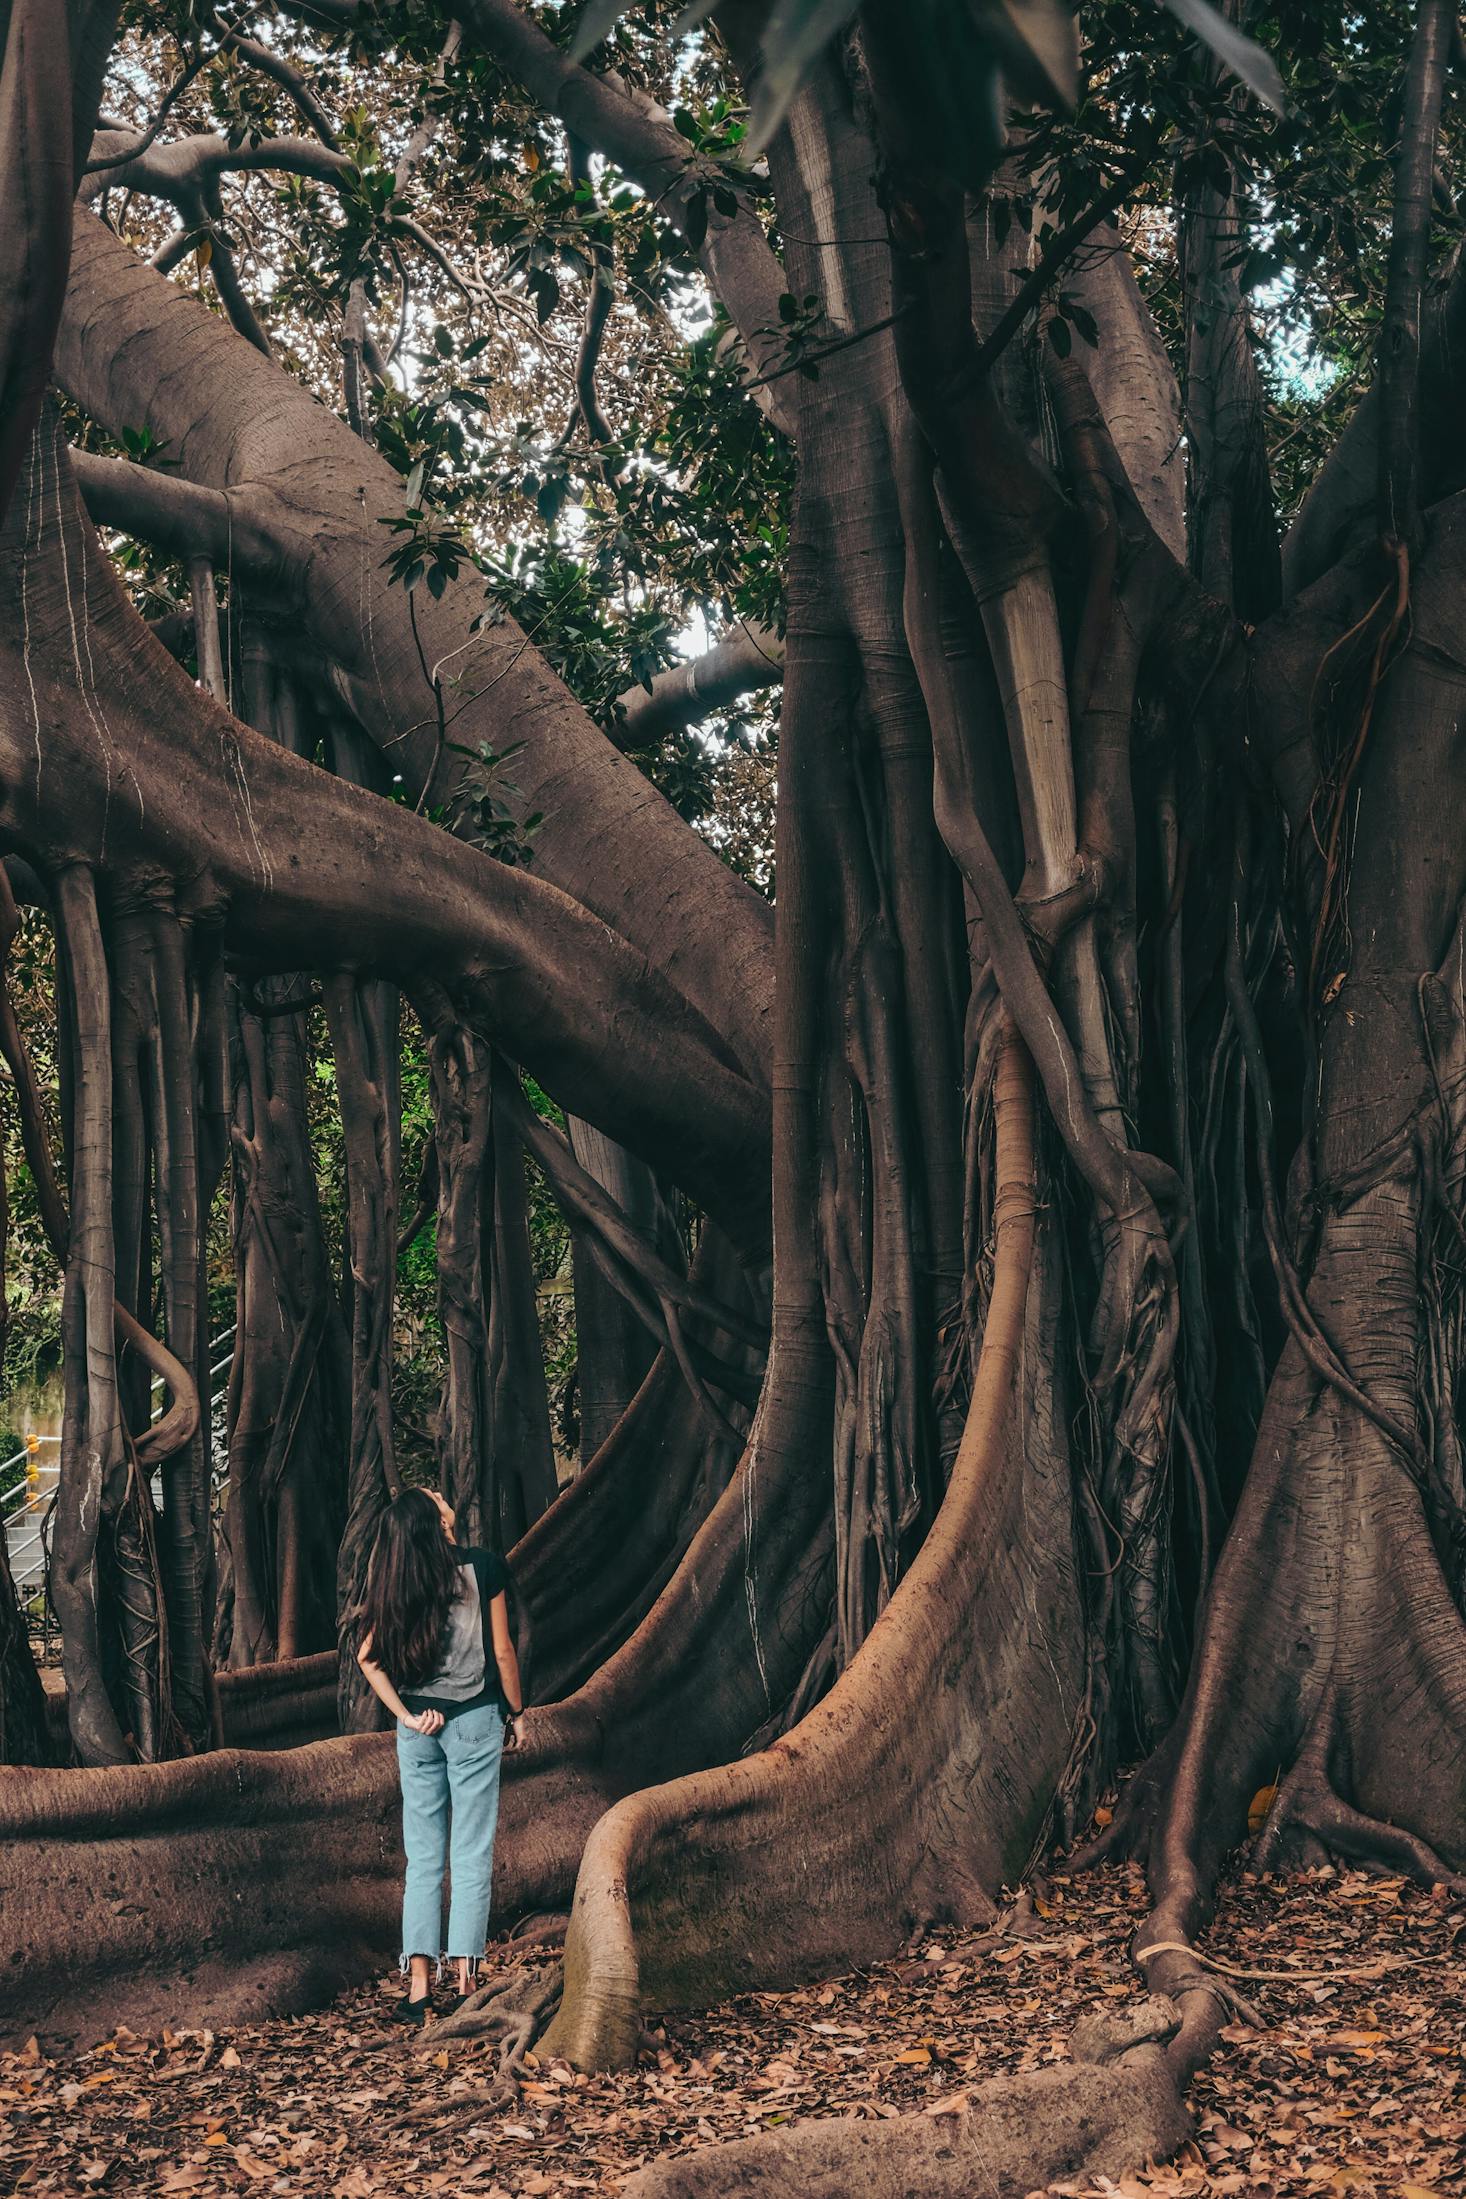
(1357, 2084)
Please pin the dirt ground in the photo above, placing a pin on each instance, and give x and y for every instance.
(1356, 2084)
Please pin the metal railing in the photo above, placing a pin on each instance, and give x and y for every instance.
(25, 1510)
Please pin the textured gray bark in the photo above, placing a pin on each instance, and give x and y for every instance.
(1132, 379)
(51, 71)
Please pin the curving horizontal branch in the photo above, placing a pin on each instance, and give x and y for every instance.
(112, 749)
(292, 81)
(172, 515)
(137, 352)
(184, 165)
(749, 658)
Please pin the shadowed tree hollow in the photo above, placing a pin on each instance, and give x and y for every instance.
(989, 1033)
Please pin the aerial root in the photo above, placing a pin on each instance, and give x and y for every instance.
(1198, 1973)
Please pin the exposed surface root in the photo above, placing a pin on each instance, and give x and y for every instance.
(508, 2014)
(884, 1821)
(1328, 1688)
(1109, 2110)
(132, 1895)
(1307, 1808)
(509, 2011)
(1310, 1818)
(1285, 2111)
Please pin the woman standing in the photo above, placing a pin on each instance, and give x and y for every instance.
(437, 1649)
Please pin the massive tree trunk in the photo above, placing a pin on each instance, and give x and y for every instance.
(1331, 1666)
(887, 1820)
(670, 1903)
(51, 73)
(1079, 853)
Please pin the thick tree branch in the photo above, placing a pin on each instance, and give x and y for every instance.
(1231, 516)
(182, 518)
(182, 167)
(137, 351)
(219, 808)
(600, 298)
(749, 658)
(1134, 385)
(50, 83)
(295, 85)
(140, 141)
(187, 172)
(639, 138)
(205, 208)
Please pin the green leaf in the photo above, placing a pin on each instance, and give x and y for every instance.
(1242, 55)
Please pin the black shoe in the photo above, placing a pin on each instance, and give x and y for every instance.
(407, 2011)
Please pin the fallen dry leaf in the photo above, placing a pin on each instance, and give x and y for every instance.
(1353, 2085)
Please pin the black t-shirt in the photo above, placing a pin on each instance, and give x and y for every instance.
(468, 1671)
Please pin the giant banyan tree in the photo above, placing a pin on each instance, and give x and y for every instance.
(1064, 1379)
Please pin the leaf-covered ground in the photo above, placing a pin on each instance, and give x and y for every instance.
(1356, 2084)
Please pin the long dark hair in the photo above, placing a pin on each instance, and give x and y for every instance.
(411, 1583)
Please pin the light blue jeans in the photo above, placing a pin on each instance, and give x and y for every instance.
(458, 1767)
